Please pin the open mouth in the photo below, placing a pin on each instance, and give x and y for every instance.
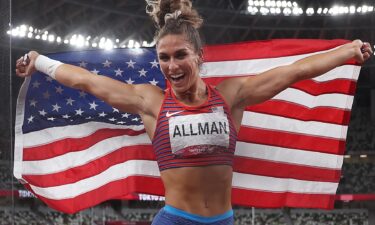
(177, 77)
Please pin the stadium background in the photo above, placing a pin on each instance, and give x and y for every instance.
(226, 21)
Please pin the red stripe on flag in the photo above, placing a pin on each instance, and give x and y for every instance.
(113, 190)
(337, 86)
(67, 145)
(300, 112)
(291, 140)
(267, 49)
(140, 152)
(284, 170)
(266, 199)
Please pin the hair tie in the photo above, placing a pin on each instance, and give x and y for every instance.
(173, 15)
(151, 6)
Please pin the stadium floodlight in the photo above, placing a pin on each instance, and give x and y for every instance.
(251, 2)
(319, 11)
(44, 37)
(31, 29)
(58, 39)
(94, 45)
(310, 11)
(364, 9)
(347, 156)
(51, 38)
(261, 3)
(359, 9)
(287, 11)
(80, 41)
(117, 40)
(108, 45)
(30, 35)
(137, 45)
(66, 41)
(325, 10)
(37, 37)
(264, 10)
(131, 43)
(363, 156)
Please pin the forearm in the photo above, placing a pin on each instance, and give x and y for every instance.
(319, 64)
(72, 76)
(69, 75)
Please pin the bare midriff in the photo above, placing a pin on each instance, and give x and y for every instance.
(204, 191)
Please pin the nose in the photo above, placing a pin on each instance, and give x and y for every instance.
(172, 66)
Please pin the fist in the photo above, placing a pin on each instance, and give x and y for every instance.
(25, 65)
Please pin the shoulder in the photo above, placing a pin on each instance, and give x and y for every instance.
(229, 89)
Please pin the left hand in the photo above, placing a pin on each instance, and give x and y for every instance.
(363, 51)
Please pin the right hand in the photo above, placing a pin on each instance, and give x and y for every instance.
(26, 67)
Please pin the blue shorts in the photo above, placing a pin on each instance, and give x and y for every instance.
(172, 216)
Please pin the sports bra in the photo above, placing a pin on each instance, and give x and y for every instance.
(188, 136)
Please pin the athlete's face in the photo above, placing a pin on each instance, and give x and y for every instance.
(178, 62)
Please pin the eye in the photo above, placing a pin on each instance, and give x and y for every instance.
(163, 58)
(181, 55)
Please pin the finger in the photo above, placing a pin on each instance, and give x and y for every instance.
(26, 59)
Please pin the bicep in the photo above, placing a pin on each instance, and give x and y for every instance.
(125, 97)
(256, 89)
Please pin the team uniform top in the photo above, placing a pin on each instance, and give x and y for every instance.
(194, 136)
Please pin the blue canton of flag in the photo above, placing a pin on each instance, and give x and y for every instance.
(51, 104)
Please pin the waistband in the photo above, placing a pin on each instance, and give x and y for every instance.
(198, 218)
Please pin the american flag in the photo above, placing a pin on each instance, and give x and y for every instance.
(74, 151)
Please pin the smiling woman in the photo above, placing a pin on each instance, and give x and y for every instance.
(193, 125)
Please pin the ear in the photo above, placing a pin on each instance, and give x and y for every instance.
(200, 55)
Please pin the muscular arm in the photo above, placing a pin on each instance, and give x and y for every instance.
(139, 99)
(256, 89)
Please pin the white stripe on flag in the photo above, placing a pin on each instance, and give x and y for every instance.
(255, 66)
(74, 159)
(116, 172)
(53, 134)
(299, 97)
(272, 184)
(291, 156)
(149, 168)
(270, 122)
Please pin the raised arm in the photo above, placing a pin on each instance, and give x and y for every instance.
(256, 89)
(125, 97)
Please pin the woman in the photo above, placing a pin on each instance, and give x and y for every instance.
(196, 167)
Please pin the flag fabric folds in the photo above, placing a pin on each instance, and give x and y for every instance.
(73, 151)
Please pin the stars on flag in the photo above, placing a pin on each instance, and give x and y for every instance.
(95, 71)
(36, 84)
(69, 101)
(59, 90)
(83, 64)
(33, 102)
(79, 112)
(154, 64)
(46, 95)
(130, 64)
(129, 81)
(107, 63)
(118, 72)
(56, 107)
(142, 72)
(93, 105)
(154, 82)
(56, 104)
(42, 113)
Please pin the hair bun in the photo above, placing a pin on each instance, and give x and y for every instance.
(158, 9)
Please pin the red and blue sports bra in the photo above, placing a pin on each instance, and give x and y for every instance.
(194, 136)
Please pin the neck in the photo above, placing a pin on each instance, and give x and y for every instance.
(195, 95)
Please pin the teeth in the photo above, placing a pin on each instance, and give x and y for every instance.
(177, 76)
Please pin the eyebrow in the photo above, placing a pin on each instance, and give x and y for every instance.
(183, 50)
